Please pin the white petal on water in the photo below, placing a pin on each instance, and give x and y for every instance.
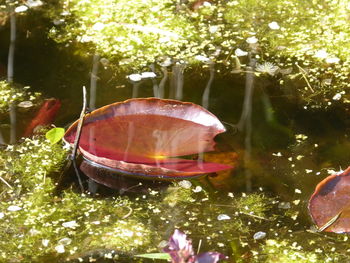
(65, 241)
(185, 184)
(259, 235)
(202, 58)
(223, 217)
(146, 75)
(45, 242)
(332, 60)
(135, 77)
(321, 53)
(25, 104)
(34, 3)
(274, 25)
(21, 8)
(240, 53)
(197, 189)
(252, 40)
(70, 224)
(14, 208)
(213, 29)
(60, 249)
(98, 26)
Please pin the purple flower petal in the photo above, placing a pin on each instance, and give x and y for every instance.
(179, 248)
(209, 257)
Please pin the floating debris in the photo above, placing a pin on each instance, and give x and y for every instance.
(259, 235)
(284, 205)
(185, 184)
(223, 217)
(14, 208)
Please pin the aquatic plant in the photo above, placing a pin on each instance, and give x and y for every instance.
(139, 136)
(181, 251)
(330, 202)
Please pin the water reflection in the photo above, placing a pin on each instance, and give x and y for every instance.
(177, 81)
(121, 182)
(206, 93)
(93, 81)
(245, 122)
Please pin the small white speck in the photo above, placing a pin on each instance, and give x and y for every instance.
(337, 96)
(45, 242)
(298, 191)
(206, 4)
(2, 215)
(277, 154)
(274, 25)
(213, 29)
(296, 202)
(185, 184)
(223, 217)
(70, 224)
(284, 205)
(165, 63)
(60, 249)
(197, 189)
(308, 171)
(252, 40)
(65, 241)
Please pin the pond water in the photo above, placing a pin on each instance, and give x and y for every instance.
(280, 151)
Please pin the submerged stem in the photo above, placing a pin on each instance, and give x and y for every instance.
(10, 70)
(77, 138)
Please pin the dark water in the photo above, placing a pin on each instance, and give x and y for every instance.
(280, 164)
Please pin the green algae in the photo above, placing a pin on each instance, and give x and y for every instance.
(303, 44)
(37, 225)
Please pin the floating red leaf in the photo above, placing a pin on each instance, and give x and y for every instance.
(139, 135)
(329, 206)
(45, 115)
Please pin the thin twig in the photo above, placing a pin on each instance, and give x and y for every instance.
(77, 138)
(5, 182)
(199, 246)
(129, 213)
(255, 216)
(303, 73)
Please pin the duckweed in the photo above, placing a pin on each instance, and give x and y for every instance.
(302, 44)
(10, 93)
